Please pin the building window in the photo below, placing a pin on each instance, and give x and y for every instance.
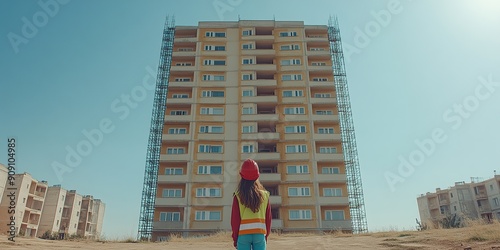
(248, 46)
(214, 62)
(330, 170)
(327, 150)
(212, 129)
(293, 93)
(302, 169)
(451, 195)
(182, 79)
(248, 149)
(209, 149)
(248, 129)
(173, 171)
(212, 111)
(290, 47)
(185, 49)
(78, 213)
(175, 151)
(247, 77)
(336, 192)
(177, 131)
(295, 111)
(247, 111)
(247, 93)
(334, 215)
(213, 78)
(324, 112)
(60, 209)
(178, 112)
(322, 95)
(295, 129)
(183, 64)
(299, 191)
(208, 192)
(491, 187)
(212, 93)
(247, 32)
(290, 62)
(215, 34)
(318, 64)
(291, 33)
(299, 214)
(170, 216)
(248, 61)
(208, 215)
(296, 148)
(320, 79)
(326, 131)
(180, 96)
(495, 202)
(209, 169)
(296, 77)
(215, 48)
(166, 192)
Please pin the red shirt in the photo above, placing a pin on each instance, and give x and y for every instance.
(236, 219)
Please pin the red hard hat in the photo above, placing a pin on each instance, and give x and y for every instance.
(249, 170)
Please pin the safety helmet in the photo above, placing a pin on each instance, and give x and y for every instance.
(249, 170)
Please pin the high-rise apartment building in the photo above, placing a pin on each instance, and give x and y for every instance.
(52, 212)
(263, 90)
(91, 217)
(477, 199)
(71, 213)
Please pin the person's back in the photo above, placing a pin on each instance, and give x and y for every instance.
(251, 212)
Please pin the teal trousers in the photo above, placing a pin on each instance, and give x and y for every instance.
(251, 241)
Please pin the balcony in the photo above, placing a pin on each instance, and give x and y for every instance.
(275, 199)
(322, 38)
(181, 84)
(329, 84)
(327, 68)
(213, 100)
(178, 118)
(300, 200)
(267, 156)
(176, 137)
(292, 68)
(333, 201)
(258, 38)
(171, 202)
(185, 39)
(257, 52)
(212, 201)
(328, 118)
(433, 206)
(298, 178)
(288, 100)
(260, 136)
(296, 118)
(209, 156)
(293, 84)
(180, 100)
(481, 196)
(260, 99)
(174, 157)
(297, 136)
(342, 178)
(165, 225)
(260, 83)
(444, 202)
(260, 117)
(208, 178)
(337, 224)
(316, 100)
(324, 52)
(255, 67)
(184, 53)
(182, 68)
(268, 178)
(211, 118)
(172, 178)
(276, 224)
(210, 136)
(329, 157)
(327, 137)
(297, 156)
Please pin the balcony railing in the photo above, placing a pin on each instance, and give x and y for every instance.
(172, 178)
(174, 202)
(165, 225)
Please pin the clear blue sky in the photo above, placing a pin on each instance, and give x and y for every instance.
(405, 74)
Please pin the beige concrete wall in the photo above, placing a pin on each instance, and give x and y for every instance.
(4, 174)
(51, 217)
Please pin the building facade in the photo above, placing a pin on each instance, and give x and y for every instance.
(251, 89)
(477, 199)
(4, 174)
(91, 217)
(71, 213)
(52, 212)
(29, 197)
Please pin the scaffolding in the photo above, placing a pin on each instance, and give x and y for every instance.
(354, 182)
(155, 133)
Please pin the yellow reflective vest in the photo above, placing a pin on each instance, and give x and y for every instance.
(253, 223)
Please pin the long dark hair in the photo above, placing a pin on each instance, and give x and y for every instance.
(250, 194)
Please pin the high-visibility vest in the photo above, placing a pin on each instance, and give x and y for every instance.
(253, 223)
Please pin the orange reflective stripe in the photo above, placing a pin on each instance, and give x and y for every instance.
(255, 220)
(252, 231)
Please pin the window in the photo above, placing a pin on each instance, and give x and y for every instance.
(495, 202)
(78, 213)
(317, 49)
(330, 170)
(302, 169)
(295, 111)
(209, 169)
(247, 92)
(247, 32)
(455, 208)
(213, 78)
(247, 110)
(62, 198)
(316, 79)
(177, 131)
(327, 150)
(167, 192)
(299, 214)
(185, 49)
(60, 209)
(322, 95)
(173, 171)
(297, 77)
(178, 112)
(291, 33)
(214, 62)
(491, 187)
(248, 46)
(175, 151)
(292, 93)
(326, 131)
(337, 192)
(212, 93)
(215, 48)
(211, 129)
(296, 148)
(451, 195)
(295, 129)
(57, 223)
(324, 112)
(208, 192)
(215, 34)
(248, 61)
(334, 215)
(183, 64)
(290, 62)
(182, 79)
(290, 47)
(207, 215)
(170, 216)
(318, 64)
(247, 149)
(180, 96)
(211, 111)
(247, 77)
(209, 148)
(248, 129)
(299, 191)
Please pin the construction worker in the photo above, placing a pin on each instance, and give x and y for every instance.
(251, 212)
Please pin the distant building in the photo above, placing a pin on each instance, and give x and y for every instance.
(29, 198)
(71, 213)
(478, 199)
(52, 210)
(91, 217)
(4, 174)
